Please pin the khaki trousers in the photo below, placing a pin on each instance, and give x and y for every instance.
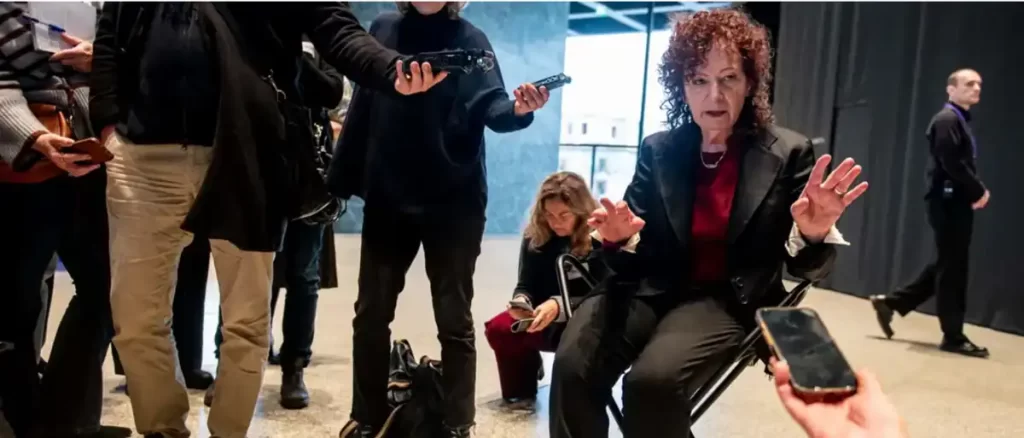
(150, 189)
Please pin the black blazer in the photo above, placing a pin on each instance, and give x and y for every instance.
(238, 201)
(774, 168)
(952, 163)
(538, 274)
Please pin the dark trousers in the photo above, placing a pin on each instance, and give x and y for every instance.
(390, 241)
(672, 347)
(189, 307)
(67, 216)
(952, 222)
(300, 257)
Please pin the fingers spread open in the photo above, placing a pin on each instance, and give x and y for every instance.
(852, 195)
(837, 174)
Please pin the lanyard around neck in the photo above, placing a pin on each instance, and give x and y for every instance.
(967, 128)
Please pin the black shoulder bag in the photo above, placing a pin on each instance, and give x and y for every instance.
(301, 174)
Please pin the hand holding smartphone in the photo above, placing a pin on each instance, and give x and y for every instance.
(799, 337)
(93, 148)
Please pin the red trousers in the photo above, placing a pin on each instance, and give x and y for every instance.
(518, 355)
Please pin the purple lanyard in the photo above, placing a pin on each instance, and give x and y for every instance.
(960, 115)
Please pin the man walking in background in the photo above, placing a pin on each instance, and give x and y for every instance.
(954, 192)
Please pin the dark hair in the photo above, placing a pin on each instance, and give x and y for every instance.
(573, 190)
(693, 36)
(451, 8)
(954, 78)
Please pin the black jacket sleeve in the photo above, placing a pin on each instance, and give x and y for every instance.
(493, 102)
(529, 270)
(947, 145)
(813, 262)
(322, 85)
(343, 43)
(103, 81)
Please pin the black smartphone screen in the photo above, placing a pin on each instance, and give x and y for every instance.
(800, 338)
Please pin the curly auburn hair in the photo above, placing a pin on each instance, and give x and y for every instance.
(693, 36)
(571, 189)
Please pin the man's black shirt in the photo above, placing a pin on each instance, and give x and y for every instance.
(953, 163)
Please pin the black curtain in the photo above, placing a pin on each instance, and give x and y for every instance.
(869, 77)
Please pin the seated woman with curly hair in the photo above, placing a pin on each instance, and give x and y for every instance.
(558, 225)
(718, 205)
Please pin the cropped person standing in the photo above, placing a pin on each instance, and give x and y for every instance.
(57, 207)
(955, 191)
(190, 98)
(424, 182)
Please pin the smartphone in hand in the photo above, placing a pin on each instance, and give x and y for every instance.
(521, 305)
(93, 148)
(799, 337)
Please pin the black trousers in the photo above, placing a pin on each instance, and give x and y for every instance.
(67, 216)
(189, 307)
(952, 221)
(390, 241)
(672, 347)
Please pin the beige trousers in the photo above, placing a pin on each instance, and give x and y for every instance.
(150, 189)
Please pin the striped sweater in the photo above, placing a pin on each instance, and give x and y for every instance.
(27, 76)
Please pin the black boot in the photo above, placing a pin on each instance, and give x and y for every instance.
(353, 429)
(198, 379)
(293, 389)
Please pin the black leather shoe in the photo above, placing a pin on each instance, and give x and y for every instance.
(273, 358)
(293, 389)
(458, 432)
(884, 314)
(964, 347)
(208, 397)
(353, 429)
(198, 379)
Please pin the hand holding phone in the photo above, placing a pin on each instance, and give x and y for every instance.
(867, 413)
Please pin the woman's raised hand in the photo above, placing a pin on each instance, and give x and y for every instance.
(616, 222)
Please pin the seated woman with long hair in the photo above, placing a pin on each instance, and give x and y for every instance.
(719, 205)
(558, 225)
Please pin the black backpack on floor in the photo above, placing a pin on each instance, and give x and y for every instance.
(415, 395)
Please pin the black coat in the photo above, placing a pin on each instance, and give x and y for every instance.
(774, 168)
(238, 202)
(425, 151)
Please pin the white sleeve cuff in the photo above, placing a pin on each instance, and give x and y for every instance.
(796, 241)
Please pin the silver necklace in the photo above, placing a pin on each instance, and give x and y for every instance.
(711, 165)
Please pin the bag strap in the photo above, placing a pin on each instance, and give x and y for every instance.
(266, 39)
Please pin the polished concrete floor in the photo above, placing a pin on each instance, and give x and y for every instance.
(941, 395)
